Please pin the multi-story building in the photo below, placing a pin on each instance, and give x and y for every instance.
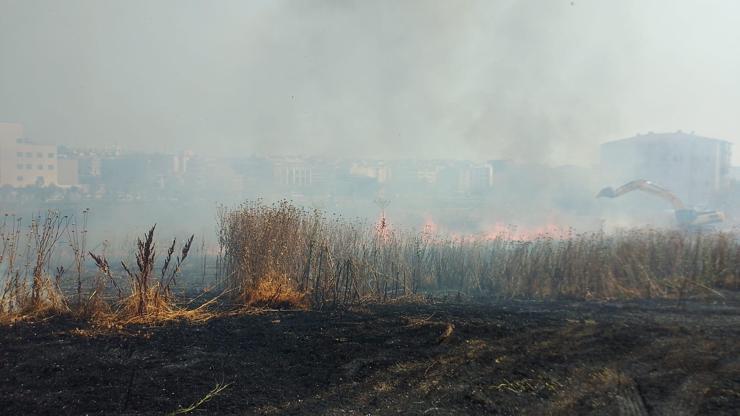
(695, 168)
(292, 173)
(68, 172)
(415, 172)
(180, 162)
(135, 173)
(371, 169)
(24, 163)
(476, 178)
(302, 173)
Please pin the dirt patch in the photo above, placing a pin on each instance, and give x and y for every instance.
(431, 359)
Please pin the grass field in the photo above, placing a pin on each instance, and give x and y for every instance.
(307, 313)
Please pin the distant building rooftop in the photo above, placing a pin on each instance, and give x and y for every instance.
(676, 136)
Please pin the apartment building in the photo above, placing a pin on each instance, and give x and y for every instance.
(695, 168)
(24, 163)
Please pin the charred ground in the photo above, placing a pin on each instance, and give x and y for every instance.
(436, 358)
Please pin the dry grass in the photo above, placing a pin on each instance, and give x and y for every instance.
(28, 287)
(150, 297)
(282, 256)
(336, 262)
(276, 292)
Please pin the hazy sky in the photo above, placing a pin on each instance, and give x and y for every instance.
(539, 80)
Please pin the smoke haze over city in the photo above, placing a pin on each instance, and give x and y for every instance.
(466, 117)
(370, 207)
(542, 82)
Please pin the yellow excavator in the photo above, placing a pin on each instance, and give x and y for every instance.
(686, 217)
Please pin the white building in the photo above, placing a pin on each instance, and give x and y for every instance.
(376, 170)
(695, 168)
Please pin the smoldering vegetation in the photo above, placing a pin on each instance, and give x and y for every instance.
(283, 256)
(334, 261)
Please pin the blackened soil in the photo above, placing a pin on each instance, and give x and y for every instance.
(431, 359)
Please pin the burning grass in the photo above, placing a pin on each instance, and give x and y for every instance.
(283, 257)
(333, 261)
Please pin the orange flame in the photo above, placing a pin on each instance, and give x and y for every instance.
(382, 228)
(430, 226)
(515, 232)
(500, 230)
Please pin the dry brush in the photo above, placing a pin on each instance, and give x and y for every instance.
(277, 253)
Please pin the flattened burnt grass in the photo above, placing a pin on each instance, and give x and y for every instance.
(506, 357)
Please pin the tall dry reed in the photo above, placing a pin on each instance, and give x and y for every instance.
(330, 261)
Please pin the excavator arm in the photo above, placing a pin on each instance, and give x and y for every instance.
(685, 217)
(645, 186)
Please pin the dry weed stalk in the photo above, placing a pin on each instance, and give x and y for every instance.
(220, 387)
(28, 288)
(77, 236)
(150, 298)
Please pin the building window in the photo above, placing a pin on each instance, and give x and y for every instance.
(50, 167)
(28, 166)
(19, 154)
(19, 179)
(51, 155)
(40, 167)
(28, 154)
(19, 166)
